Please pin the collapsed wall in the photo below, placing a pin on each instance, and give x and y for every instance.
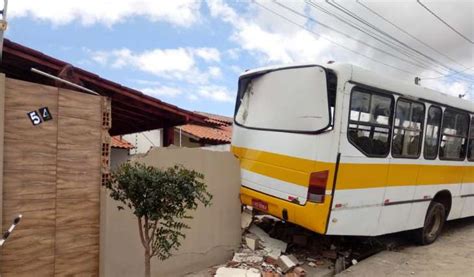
(215, 231)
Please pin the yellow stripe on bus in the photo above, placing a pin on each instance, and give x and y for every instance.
(282, 167)
(351, 175)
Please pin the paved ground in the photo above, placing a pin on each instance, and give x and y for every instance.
(451, 255)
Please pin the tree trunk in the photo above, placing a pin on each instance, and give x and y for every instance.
(147, 263)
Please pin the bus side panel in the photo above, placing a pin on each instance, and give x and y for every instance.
(360, 186)
(400, 190)
(467, 191)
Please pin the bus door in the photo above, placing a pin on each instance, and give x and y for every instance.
(404, 168)
(363, 165)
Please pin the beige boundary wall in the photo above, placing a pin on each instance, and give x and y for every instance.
(214, 233)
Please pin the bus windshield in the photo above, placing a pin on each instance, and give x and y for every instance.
(289, 99)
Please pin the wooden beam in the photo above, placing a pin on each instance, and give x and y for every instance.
(168, 136)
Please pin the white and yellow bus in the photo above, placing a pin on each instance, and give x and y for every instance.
(343, 151)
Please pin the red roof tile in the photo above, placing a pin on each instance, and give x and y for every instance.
(219, 129)
(216, 119)
(119, 142)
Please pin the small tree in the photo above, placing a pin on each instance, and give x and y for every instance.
(160, 199)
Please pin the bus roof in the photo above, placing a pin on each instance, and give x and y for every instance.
(362, 76)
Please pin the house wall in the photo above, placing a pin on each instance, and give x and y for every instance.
(118, 156)
(144, 141)
(181, 140)
(52, 175)
(215, 230)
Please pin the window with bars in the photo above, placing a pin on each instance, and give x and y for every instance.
(454, 135)
(407, 129)
(369, 122)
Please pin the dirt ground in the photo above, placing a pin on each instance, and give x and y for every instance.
(451, 255)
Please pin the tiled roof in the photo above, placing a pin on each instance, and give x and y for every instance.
(216, 119)
(219, 129)
(119, 142)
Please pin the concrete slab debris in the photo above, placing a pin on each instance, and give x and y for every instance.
(252, 241)
(286, 263)
(237, 272)
(273, 246)
(247, 257)
(340, 265)
(246, 218)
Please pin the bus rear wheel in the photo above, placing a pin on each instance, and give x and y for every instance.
(434, 222)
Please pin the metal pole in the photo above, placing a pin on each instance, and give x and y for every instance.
(63, 81)
(10, 230)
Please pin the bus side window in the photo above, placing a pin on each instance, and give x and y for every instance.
(470, 149)
(407, 131)
(433, 128)
(369, 122)
(454, 135)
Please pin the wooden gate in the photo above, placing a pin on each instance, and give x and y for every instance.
(54, 162)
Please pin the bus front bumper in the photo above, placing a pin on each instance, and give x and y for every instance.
(312, 216)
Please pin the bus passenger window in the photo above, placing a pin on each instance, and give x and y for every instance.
(454, 135)
(470, 149)
(432, 132)
(369, 123)
(409, 118)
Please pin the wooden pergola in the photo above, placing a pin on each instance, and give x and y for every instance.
(132, 111)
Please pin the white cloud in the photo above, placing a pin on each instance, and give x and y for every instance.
(193, 97)
(236, 69)
(162, 91)
(454, 88)
(269, 39)
(179, 64)
(209, 54)
(273, 40)
(107, 12)
(233, 53)
(216, 93)
(193, 93)
(215, 71)
(163, 61)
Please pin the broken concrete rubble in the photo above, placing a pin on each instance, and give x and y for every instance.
(286, 263)
(248, 257)
(246, 219)
(237, 272)
(284, 250)
(274, 247)
(252, 241)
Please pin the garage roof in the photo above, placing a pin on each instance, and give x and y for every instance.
(132, 111)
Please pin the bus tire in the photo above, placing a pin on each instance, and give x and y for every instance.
(434, 222)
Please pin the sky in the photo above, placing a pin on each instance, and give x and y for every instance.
(190, 53)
